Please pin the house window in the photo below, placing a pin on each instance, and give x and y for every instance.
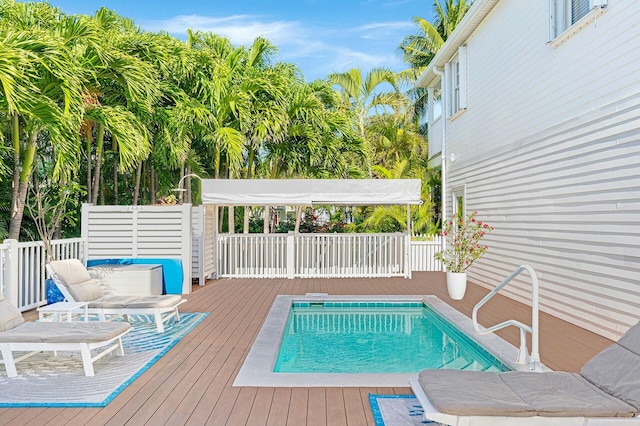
(457, 73)
(565, 13)
(458, 196)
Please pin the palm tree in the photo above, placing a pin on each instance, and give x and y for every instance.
(364, 97)
(419, 49)
(39, 33)
(120, 93)
(363, 94)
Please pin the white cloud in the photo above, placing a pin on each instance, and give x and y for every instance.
(387, 26)
(318, 51)
(240, 29)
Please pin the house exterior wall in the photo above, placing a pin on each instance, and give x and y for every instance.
(548, 152)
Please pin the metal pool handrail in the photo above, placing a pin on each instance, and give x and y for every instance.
(523, 353)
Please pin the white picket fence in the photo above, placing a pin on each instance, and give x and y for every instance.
(422, 254)
(322, 255)
(23, 273)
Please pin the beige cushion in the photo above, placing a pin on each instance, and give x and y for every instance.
(10, 317)
(99, 274)
(70, 271)
(136, 302)
(75, 277)
(64, 332)
(472, 393)
(86, 292)
(561, 394)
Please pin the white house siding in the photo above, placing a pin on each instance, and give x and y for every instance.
(549, 151)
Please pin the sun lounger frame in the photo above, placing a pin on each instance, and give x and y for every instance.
(109, 345)
(157, 312)
(430, 413)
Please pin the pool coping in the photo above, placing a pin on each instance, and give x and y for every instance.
(257, 369)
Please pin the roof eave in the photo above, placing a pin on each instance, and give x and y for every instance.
(474, 17)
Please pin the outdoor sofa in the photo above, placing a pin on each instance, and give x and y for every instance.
(16, 335)
(606, 392)
(76, 285)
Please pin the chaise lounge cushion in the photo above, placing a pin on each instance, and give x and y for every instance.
(10, 317)
(476, 393)
(64, 332)
(136, 302)
(616, 370)
(562, 394)
(75, 277)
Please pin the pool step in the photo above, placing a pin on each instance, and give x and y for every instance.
(459, 363)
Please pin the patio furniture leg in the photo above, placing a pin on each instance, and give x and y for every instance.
(158, 316)
(7, 358)
(120, 351)
(87, 362)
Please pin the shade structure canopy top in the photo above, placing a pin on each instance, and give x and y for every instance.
(306, 192)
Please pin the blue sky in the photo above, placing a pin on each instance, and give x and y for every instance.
(320, 36)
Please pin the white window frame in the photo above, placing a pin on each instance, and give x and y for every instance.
(456, 70)
(459, 200)
(561, 23)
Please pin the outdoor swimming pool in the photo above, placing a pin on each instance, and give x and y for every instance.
(375, 337)
(488, 352)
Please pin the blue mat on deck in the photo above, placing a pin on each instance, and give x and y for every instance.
(397, 410)
(45, 380)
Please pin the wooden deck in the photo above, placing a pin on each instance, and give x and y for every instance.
(192, 383)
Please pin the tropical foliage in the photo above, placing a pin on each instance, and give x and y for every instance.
(420, 48)
(117, 115)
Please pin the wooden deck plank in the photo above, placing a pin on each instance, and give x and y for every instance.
(192, 383)
(261, 407)
(354, 407)
(317, 407)
(336, 414)
(364, 395)
(242, 406)
(279, 407)
(298, 407)
(206, 361)
(26, 416)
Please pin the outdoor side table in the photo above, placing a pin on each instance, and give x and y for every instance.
(56, 311)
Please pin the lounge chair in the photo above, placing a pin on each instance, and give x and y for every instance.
(35, 337)
(76, 285)
(607, 391)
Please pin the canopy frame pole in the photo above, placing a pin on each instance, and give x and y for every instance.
(407, 254)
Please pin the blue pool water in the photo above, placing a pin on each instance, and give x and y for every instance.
(375, 337)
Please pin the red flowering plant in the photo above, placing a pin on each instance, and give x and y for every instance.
(462, 237)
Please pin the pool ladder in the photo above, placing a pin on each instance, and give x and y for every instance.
(532, 360)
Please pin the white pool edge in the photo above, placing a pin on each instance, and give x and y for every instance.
(257, 369)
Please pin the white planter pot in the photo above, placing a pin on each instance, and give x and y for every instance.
(456, 284)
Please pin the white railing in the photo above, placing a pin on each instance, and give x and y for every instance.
(4, 255)
(523, 353)
(311, 255)
(422, 255)
(349, 255)
(252, 255)
(23, 272)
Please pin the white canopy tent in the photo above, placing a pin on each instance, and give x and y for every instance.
(307, 192)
